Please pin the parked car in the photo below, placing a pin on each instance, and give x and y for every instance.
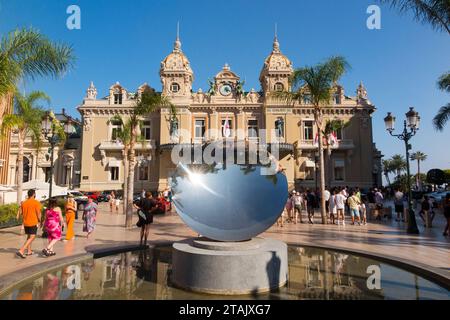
(92, 195)
(437, 197)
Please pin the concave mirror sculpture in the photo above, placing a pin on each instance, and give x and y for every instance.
(228, 202)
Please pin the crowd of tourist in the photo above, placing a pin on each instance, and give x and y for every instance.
(346, 201)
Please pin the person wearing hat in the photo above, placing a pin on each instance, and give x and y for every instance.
(71, 209)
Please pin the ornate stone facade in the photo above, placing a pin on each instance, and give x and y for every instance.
(354, 161)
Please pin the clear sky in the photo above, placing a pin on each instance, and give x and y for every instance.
(126, 40)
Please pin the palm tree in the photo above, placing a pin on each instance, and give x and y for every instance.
(441, 118)
(331, 127)
(25, 53)
(387, 169)
(318, 83)
(25, 121)
(434, 12)
(124, 135)
(418, 156)
(147, 102)
(398, 163)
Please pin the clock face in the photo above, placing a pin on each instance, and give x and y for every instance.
(225, 90)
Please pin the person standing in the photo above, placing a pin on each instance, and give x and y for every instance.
(327, 196)
(71, 209)
(89, 217)
(378, 204)
(117, 203)
(288, 209)
(332, 209)
(297, 211)
(147, 206)
(340, 201)
(398, 203)
(446, 208)
(354, 203)
(310, 203)
(53, 226)
(31, 213)
(112, 199)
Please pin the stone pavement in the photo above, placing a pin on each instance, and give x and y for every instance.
(387, 239)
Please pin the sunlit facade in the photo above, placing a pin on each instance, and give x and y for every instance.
(227, 111)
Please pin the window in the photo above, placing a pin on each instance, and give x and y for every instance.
(279, 127)
(307, 99)
(117, 98)
(143, 173)
(252, 128)
(227, 128)
(308, 130)
(339, 134)
(146, 130)
(199, 128)
(338, 170)
(116, 127)
(174, 87)
(278, 87)
(309, 173)
(114, 173)
(337, 98)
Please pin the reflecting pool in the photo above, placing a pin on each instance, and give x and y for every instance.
(313, 274)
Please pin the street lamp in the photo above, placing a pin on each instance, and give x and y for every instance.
(50, 132)
(410, 127)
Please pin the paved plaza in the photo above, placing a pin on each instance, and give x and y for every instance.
(388, 239)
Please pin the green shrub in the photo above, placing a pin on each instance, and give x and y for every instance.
(8, 213)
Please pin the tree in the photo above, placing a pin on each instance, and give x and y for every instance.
(387, 169)
(25, 121)
(433, 12)
(25, 53)
(318, 83)
(398, 163)
(124, 135)
(418, 156)
(441, 118)
(147, 102)
(437, 14)
(436, 177)
(331, 127)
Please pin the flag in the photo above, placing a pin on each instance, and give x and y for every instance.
(332, 140)
(316, 140)
(226, 129)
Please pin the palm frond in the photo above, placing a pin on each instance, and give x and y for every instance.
(444, 82)
(433, 12)
(441, 118)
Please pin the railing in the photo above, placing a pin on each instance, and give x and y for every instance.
(118, 145)
(310, 144)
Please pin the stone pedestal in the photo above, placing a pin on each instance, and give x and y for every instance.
(230, 268)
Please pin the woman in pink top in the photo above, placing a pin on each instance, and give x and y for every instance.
(53, 224)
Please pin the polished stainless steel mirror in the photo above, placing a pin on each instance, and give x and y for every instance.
(228, 202)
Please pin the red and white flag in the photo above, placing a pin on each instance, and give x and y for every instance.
(226, 129)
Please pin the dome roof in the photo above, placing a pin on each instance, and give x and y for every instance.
(277, 61)
(176, 61)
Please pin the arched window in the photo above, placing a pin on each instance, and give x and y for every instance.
(337, 98)
(26, 170)
(174, 87)
(117, 96)
(279, 87)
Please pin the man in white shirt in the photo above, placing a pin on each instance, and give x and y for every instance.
(339, 200)
(298, 200)
(398, 203)
(327, 196)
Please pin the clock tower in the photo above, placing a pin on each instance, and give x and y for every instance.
(276, 71)
(176, 73)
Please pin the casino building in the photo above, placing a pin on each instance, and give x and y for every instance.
(235, 114)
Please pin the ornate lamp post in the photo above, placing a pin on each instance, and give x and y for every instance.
(48, 127)
(410, 127)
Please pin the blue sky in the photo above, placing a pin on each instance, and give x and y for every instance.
(126, 40)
